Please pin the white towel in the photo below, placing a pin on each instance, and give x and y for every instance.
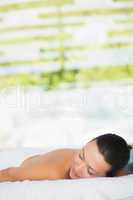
(115, 188)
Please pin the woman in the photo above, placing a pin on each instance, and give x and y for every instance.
(102, 156)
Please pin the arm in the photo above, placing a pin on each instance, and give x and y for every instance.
(50, 166)
(20, 174)
(8, 174)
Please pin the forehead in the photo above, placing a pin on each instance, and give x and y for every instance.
(95, 159)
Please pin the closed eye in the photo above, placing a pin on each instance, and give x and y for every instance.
(81, 156)
(90, 173)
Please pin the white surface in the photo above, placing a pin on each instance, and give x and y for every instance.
(80, 189)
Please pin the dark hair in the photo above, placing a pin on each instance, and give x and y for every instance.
(115, 150)
(128, 169)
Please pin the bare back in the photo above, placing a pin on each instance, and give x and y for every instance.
(54, 164)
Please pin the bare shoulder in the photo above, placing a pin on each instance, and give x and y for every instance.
(52, 165)
(56, 158)
(58, 154)
(63, 150)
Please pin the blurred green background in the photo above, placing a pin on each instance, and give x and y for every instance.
(65, 43)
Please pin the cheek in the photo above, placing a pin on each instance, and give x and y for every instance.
(86, 175)
(76, 159)
(91, 176)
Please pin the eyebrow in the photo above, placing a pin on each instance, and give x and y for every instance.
(86, 162)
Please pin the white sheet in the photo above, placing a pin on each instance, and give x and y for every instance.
(80, 189)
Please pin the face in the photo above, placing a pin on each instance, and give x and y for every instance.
(88, 162)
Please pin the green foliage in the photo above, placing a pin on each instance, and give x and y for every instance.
(120, 32)
(54, 80)
(124, 21)
(22, 40)
(33, 4)
(89, 12)
(39, 26)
